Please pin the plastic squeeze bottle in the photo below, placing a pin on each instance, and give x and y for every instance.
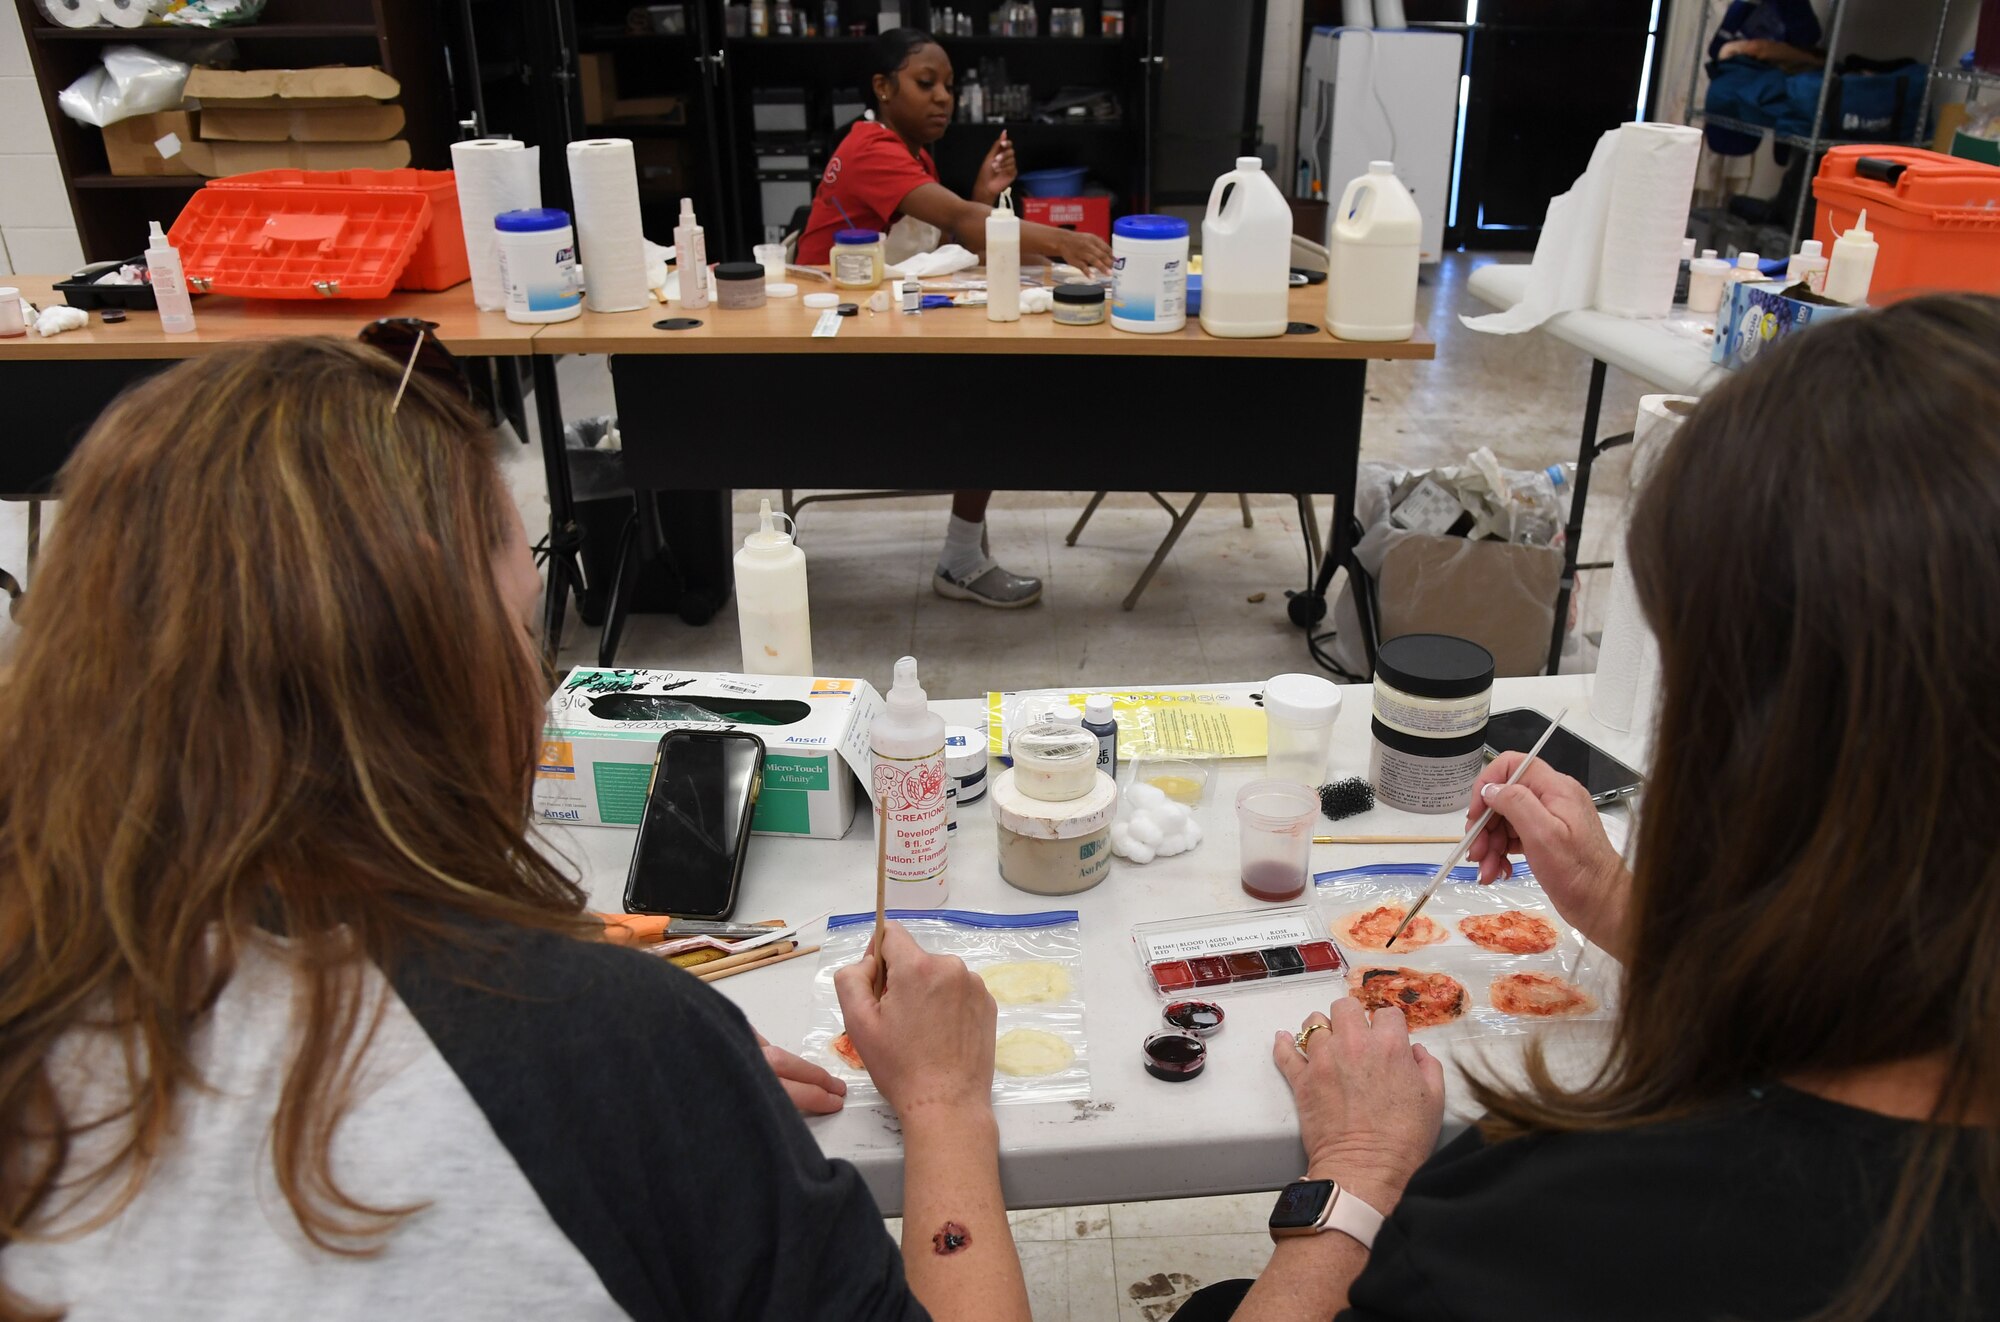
(1003, 261)
(691, 258)
(771, 607)
(170, 291)
(1851, 269)
(908, 781)
(1246, 255)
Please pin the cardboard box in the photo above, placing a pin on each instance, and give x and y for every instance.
(153, 145)
(603, 727)
(1755, 316)
(1085, 215)
(290, 89)
(224, 158)
(598, 78)
(369, 123)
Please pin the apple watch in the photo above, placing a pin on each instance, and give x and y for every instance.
(1311, 1207)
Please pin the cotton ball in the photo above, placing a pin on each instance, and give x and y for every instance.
(1144, 797)
(1140, 854)
(1121, 837)
(1193, 834)
(1171, 845)
(1145, 830)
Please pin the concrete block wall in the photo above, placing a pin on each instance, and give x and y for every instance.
(37, 228)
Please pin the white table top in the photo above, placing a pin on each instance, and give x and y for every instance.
(1232, 1129)
(1648, 350)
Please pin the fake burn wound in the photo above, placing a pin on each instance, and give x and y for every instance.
(950, 1238)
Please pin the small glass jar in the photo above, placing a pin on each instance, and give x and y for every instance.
(739, 286)
(1078, 304)
(857, 259)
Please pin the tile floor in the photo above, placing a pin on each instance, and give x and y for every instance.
(1216, 610)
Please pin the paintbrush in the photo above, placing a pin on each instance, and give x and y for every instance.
(719, 973)
(1383, 839)
(881, 899)
(1465, 844)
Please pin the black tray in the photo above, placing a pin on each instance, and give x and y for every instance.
(82, 290)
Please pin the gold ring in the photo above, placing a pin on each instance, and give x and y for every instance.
(1299, 1040)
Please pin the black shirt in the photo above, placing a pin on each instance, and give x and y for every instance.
(1759, 1210)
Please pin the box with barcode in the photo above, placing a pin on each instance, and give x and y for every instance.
(603, 726)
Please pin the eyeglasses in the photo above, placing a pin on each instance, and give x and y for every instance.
(413, 342)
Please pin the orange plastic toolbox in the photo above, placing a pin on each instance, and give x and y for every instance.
(1936, 219)
(299, 242)
(439, 261)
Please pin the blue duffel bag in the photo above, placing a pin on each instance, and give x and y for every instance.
(1870, 100)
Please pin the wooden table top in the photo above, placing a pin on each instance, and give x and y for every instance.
(221, 319)
(784, 325)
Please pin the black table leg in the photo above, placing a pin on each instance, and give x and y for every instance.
(1342, 393)
(564, 568)
(1586, 453)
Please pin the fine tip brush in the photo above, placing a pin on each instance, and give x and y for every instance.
(1471, 835)
(881, 899)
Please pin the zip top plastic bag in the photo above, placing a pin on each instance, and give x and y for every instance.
(1032, 963)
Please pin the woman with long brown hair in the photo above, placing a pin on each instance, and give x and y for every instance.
(295, 1018)
(1799, 1117)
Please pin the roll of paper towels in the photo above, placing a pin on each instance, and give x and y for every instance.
(604, 181)
(1652, 186)
(494, 175)
(1627, 687)
(72, 13)
(127, 13)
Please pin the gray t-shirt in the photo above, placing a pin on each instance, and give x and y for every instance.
(587, 1131)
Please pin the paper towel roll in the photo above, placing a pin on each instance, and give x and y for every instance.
(72, 13)
(1652, 184)
(494, 175)
(1626, 690)
(127, 13)
(604, 182)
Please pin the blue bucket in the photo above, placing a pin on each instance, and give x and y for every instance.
(1065, 182)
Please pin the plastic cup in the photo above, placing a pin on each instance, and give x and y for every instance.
(770, 256)
(1182, 780)
(1274, 822)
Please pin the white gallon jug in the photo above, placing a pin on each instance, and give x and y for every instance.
(771, 605)
(1371, 287)
(1246, 255)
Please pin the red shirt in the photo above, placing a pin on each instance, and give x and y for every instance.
(871, 173)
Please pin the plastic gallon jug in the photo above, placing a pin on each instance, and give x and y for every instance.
(1371, 288)
(771, 606)
(1246, 251)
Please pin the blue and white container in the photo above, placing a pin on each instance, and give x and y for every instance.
(538, 271)
(1149, 262)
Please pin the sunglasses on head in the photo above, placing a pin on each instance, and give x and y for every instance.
(413, 342)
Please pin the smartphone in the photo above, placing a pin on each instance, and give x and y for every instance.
(688, 860)
(1516, 731)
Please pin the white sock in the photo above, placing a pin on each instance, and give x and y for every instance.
(962, 557)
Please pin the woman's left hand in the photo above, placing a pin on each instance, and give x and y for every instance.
(812, 1089)
(1369, 1101)
(996, 172)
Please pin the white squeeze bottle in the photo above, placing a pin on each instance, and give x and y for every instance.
(170, 290)
(1851, 268)
(908, 781)
(1246, 255)
(1003, 261)
(771, 607)
(691, 258)
(1373, 249)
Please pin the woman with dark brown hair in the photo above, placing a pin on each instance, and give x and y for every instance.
(295, 1017)
(1799, 1117)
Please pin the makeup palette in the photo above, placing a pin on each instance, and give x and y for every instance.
(1242, 950)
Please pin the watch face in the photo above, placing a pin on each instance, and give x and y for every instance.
(1301, 1203)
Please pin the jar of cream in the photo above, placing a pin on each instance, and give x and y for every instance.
(1433, 686)
(1424, 775)
(739, 285)
(857, 259)
(965, 762)
(1054, 847)
(1078, 304)
(1054, 762)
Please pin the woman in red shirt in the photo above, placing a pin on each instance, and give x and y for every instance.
(882, 178)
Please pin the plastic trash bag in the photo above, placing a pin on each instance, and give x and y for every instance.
(130, 81)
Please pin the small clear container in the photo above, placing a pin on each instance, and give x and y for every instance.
(770, 256)
(1299, 712)
(1181, 780)
(1054, 762)
(1274, 819)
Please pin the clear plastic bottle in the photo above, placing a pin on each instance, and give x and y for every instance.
(908, 783)
(170, 291)
(772, 609)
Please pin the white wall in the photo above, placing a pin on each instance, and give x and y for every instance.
(37, 229)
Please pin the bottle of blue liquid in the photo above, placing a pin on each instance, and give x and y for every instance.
(1097, 719)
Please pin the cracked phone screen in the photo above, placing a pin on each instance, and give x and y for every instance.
(685, 857)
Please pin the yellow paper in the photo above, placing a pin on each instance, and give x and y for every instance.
(1191, 720)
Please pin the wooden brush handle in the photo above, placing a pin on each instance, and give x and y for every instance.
(747, 957)
(1385, 839)
(716, 973)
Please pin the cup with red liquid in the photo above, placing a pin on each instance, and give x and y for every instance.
(1274, 821)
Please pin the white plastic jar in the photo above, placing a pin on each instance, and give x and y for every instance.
(1149, 261)
(1054, 848)
(1299, 711)
(857, 259)
(538, 272)
(1054, 761)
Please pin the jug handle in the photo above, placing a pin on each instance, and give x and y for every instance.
(1358, 192)
(1215, 194)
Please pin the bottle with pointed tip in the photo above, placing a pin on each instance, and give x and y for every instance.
(907, 782)
(772, 610)
(1851, 268)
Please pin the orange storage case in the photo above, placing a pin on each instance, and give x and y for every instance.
(439, 261)
(299, 242)
(1937, 225)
